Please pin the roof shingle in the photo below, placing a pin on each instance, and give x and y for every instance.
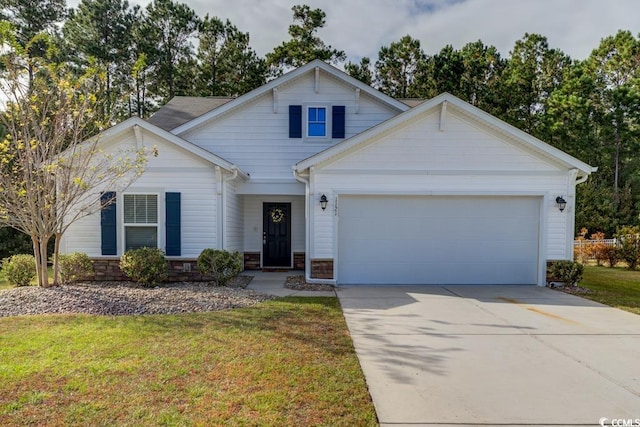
(182, 109)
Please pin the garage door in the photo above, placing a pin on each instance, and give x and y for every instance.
(438, 240)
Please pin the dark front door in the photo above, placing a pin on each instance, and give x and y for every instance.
(276, 235)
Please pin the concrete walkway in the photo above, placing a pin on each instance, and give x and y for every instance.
(494, 355)
(272, 283)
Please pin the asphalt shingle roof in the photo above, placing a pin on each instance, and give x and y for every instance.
(182, 109)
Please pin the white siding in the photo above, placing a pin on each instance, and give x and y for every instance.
(173, 170)
(234, 223)
(334, 184)
(461, 147)
(465, 159)
(253, 221)
(257, 139)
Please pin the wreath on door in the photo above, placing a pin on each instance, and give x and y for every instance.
(277, 215)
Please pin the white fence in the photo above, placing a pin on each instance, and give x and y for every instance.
(606, 242)
(584, 247)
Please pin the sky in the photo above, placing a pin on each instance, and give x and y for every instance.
(361, 27)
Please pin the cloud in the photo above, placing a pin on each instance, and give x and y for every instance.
(361, 27)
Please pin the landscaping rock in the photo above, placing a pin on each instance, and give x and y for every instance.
(299, 283)
(126, 298)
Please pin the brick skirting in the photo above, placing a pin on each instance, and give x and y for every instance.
(109, 269)
(298, 261)
(322, 268)
(252, 261)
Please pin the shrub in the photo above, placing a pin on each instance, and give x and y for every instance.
(222, 265)
(581, 250)
(568, 272)
(612, 255)
(147, 266)
(629, 245)
(19, 270)
(598, 247)
(74, 267)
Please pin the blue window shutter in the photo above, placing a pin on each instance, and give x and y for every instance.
(337, 121)
(172, 228)
(108, 224)
(295, 121)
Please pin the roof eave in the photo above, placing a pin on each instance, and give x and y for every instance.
(132, 122)
(399, 106)
(548, 150)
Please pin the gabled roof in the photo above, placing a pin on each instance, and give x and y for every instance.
(136, 123)
(182, 109)
(412, 102)
(368, 136)
(298, 72)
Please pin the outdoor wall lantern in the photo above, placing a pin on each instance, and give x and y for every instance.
(323, 202)
(562, 203)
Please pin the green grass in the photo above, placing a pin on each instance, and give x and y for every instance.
(617, 287)
(284, 362)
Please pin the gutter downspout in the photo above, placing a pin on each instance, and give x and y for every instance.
(581, 179)
(577, 180)
(220, 209)
(305, 179)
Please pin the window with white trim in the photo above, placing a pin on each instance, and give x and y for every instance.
(140, 221)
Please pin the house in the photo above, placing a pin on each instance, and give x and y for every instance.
(318, 171)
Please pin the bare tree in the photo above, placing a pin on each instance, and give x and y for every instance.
(52, 172)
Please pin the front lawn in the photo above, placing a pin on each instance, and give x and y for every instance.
(617, 287)
(284, 362)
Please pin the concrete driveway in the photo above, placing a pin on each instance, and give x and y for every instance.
(494, 355)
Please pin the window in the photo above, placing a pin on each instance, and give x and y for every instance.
(140, 221)
(317, 121)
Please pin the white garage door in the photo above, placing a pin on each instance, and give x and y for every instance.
(438, 240)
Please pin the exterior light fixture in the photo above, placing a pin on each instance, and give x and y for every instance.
(323, 202)
(562, 203)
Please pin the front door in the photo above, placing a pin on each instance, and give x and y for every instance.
(276, 235)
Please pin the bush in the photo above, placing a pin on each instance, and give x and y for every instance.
(222, 265)
(19, 270)
(612, 255)
(74, 267)
(629, 245)
(598, 248)
(147, 266)
(568, 272)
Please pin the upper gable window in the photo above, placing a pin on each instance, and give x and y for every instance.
(317, 122)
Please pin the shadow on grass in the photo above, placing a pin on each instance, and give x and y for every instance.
(315, 321)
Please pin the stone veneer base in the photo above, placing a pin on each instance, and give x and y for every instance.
(322, 268)
(180, 270)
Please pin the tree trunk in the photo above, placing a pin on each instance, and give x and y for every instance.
(616, 160)
(56, 263)
(43, 263)
(36, 254)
